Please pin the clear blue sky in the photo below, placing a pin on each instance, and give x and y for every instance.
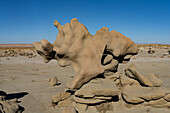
(26, 21)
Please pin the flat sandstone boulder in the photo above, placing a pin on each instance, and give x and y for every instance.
(96, 91)
(137, 94)
(60, 96)
(103, 88)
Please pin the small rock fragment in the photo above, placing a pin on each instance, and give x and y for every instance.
(107, 59)
(165, 54)
(60, 96)
(54, 81)
(65, 103)
(112, 66)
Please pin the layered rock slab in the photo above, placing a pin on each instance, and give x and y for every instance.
(136, 94)
(96, 91)
(150, 80)
(60, 97)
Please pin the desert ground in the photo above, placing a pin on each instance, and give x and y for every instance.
(26, 77)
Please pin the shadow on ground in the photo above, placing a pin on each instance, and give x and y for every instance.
(8, 106)
(16, 95)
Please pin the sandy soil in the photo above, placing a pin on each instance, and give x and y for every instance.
(27, 78)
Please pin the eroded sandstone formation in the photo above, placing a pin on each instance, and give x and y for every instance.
(89, 55)
(100, 54)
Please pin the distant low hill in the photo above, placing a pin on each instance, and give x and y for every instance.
(16, 46)
(5, 46)
(160, 45)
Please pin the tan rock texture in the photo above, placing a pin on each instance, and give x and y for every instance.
(65, 103)
(80, 107)
(150, 80)
(101, 88)
(138, 94)
(156, 82)
(60, 96)
(167, 97)
(54, 81)
(89, 55)
(96, 91)
(9, 106)
(69, 110)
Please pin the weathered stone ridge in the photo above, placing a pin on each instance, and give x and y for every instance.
(89, 55)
